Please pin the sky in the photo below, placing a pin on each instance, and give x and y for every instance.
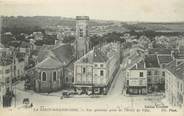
(122, 10)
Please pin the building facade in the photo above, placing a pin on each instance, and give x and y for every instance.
(94, 72)
(48, 77)
(5, 77)
(175, 84)
(136, 78)
(53, 71)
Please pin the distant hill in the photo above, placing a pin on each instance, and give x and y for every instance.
(162, 27)
(38, 23)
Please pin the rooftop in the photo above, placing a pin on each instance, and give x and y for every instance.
(159, 51)
(151, 61)
(64, 53)
(179, 54)
(43, 52)
(164, 59)
(56, 57)
(100, 54)
(4, 61)
(177, 70)
(49, 63)
(140, 66)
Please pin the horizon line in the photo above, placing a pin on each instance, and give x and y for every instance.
(108, 20)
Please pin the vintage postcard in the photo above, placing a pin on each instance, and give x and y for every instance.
(92, 57)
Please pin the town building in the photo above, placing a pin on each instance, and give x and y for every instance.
(174, 87)
(5, 77)
(136, 77)
(18, 67)
(95, 71)
(149, 65)
(53, 70)
(4, 51)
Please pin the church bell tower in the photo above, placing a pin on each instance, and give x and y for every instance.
(82, 42)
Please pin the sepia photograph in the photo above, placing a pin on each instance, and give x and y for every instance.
(92, 57)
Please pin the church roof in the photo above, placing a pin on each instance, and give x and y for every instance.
(43, 52)
(50, 57)
(64, 53)
(49, 63)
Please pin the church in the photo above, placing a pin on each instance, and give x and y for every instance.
(54, 68)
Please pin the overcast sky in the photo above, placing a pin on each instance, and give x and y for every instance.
(123, 10)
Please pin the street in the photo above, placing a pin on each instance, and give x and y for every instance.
(114, 98)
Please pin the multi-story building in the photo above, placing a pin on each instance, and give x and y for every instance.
(151, 64)
(136, 77)
(5, 77)
(18, 68)
(94, 72)
(174, 87)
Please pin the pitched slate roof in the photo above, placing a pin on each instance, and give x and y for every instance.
(151, 61)
(64, 53)
(165, 59)
(4, 61)
(140, 66)
(99, 56)
(43, 52)
(1, 45)
(179, 54)
(159, 51)
(49, 63)
(178, 71)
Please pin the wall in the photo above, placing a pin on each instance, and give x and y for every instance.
(135, 79)
(49, 85)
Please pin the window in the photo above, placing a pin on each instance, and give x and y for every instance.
(101, 73)
(181, 86)
(44, 76)
(149, 73)
(84, 70)
(101, 65)
(163, 74)
(80, 32)
(127, 82)
(96, 65)
(141, 74)
(7, 80)
(178, 85)
(72, 79)
(1, 71)
(66, 79)
(156, 72)
(39, 75)
(7, 70)
(54, 76)
(149, 80)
